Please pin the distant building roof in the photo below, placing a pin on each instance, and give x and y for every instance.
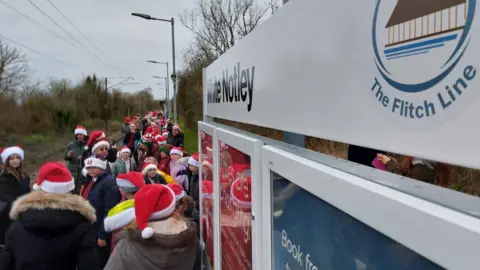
(407, 10)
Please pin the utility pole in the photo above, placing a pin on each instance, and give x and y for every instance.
(106, 105)
(174, 75)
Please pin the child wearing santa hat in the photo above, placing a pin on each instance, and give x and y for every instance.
(167, 177)
(129, 184)
(193, 184)
(179, 167)
(124, 164)
(164, 160)
(102, 192)
(14, 182)
(52, 228)
(151, 176)
(175, 136)
(74, 151)
(163, 238)
(98, 144)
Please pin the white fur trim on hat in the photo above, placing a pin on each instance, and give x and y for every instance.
(84, 172)
(148, 168)
(176, 151)
(96, 163)
(148, 231)
(13, 150)
(81, 131)
(100, 144)
(193, 162)
(208, 164)
(55, 187)
(125, 183)
(177, 127)
(180, 196)
(125, 150)
(119, 220)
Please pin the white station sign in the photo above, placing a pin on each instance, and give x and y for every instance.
(394, 75)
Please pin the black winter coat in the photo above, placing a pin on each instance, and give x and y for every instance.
(176, 141)
(51, 232)
(103, 196)
(194, 189)
(10, 190)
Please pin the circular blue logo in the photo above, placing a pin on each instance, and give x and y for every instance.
(429, 37)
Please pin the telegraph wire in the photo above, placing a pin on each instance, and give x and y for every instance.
(37, 52)
(68, 33)
(40, 25)
(83, 35)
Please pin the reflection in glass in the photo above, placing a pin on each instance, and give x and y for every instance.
(309, 233)
(235, 208)
(207, 201)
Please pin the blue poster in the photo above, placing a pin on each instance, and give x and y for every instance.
(310, 234)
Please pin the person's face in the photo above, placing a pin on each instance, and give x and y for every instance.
(151, 173)
(175, 131)
(125, 155)
(94, 172)
(14, 161)
(132, 129)
(175, 157)
(102, 151)
(205, 170)
(163, 154)
(80, 137)
(124, 194)
(193, 169)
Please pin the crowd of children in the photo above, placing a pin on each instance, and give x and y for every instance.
(130, 208)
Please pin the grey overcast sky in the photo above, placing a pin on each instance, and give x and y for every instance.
(127, 41)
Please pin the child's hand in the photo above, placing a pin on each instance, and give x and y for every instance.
(101, 243)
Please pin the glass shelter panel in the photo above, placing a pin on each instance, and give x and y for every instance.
(309, 233)
(235, 208)
(206, 154)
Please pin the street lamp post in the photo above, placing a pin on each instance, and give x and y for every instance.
(167, 85)
(174, 76)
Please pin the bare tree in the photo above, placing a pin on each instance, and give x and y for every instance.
(13, 69)
(220, 23)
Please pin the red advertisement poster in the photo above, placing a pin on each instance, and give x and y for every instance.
(235, 209)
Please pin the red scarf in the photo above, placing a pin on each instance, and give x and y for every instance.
(86, 190)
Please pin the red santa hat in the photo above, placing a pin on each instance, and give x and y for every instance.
(153, 124)
(125, 149)
(135, 117)
(81, 130)
(96, 161)
(12, 150)
(154, 115)
(54, 177)
(208, 163)
(131, 182)
(165, 133)
(176, 151)
(147, 138)
(96, 140)
(160, 139)
(149, 130)
(193, 160)
(147, 167)
(127, 119)
(207, 189)
(236, 169)
(241, 193)
(176, 126)
(153, 202)
(178, 190)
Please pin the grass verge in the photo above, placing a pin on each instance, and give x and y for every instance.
(191, 138)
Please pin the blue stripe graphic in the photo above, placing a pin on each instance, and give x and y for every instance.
(422, 52)
(415, 50)
(422, 43)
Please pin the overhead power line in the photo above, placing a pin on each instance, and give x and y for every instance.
(40, 25)
(37, 52)
(81, 33)
(70, 35)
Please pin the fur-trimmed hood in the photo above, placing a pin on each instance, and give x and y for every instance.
(41, 203)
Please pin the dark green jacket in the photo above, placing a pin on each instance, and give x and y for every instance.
(77, 149)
